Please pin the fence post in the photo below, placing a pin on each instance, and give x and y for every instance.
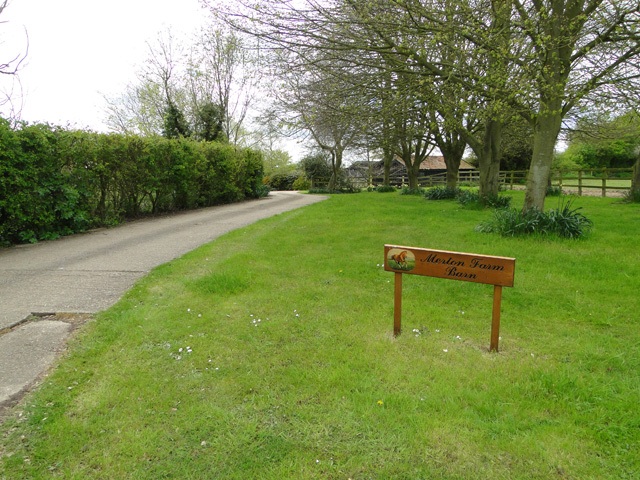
(560, 178)
(511, 185)
(580, 183)
(604, 182)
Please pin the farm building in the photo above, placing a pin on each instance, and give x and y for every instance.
(432, 165)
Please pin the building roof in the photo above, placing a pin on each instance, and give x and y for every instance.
(437, 163)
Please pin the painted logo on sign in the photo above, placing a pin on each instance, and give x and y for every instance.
(399, 259)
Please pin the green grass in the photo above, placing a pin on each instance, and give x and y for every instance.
(294, 371)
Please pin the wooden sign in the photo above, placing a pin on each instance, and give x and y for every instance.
(467, 267)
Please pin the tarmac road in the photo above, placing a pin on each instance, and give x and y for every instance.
(89, 272)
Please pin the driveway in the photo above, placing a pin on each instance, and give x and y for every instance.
(89, 272)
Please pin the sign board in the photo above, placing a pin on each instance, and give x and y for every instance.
(467, 267)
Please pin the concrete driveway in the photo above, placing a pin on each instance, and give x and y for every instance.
(89, 272)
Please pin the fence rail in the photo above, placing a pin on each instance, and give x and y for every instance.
(575, 181)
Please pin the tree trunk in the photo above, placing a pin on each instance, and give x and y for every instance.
(411, 164)
(387, 159)
(546, 133)
(635, 179)
(452, 158)
(452, 173)
(489, 160)
(336, 164)
(413, 173)
(452, 146)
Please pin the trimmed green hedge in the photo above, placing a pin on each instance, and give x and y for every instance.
(56, 182)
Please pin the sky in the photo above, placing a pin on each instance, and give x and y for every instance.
(81, 50)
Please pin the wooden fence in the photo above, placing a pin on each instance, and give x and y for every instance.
(578, 181)
(574, 181)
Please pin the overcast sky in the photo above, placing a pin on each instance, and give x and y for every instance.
(81, 49)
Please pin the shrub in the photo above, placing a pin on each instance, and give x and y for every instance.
(564, 221)
(301, 183)
(283, 181)
(554, 191)
(262, 191)
(412, 191)
(56, 182)
(632, 196)
(472, 199)
(441, 193)
(385, 188)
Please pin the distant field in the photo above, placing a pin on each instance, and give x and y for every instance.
(269, 354)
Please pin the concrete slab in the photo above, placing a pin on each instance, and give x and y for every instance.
(27, 352)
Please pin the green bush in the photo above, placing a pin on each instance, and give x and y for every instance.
(554, 191)
(564, 221)
(472, 199)
(441, 193)
(283, 181)
(262, 191)
(632, 196)
(302, 183)
(412, 191)
(386, 188)
(55, 182)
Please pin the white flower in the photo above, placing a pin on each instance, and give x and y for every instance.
(445, 350)
(180, 350)
(188, 309)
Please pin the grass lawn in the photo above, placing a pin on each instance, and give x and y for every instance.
(269, 354)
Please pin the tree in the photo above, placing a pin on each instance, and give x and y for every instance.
(517, 145)
(316, 166)
(539, 58)
(155, 104)
(224, 70)
(175, 125)
(9, 69)
(209, 123)
(320, 103)
(603, 141)
(206, 92)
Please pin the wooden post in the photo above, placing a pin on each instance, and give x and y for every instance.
(397, 311)
(580, 182)
(495, 320)
(604, 182)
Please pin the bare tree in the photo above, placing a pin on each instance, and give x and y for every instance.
(11, 90)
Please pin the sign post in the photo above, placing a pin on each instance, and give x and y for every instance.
(467, 267)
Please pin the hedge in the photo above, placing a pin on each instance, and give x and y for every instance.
(56, 182)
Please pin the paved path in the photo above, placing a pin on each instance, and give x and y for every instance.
(89, 272)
